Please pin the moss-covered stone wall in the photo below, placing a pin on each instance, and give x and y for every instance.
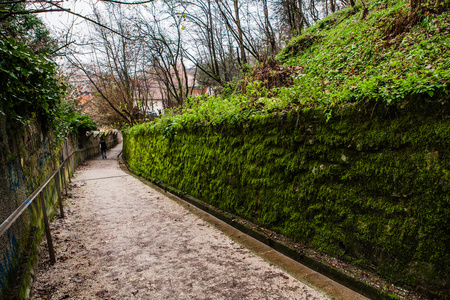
(28, 158)
(371, 185)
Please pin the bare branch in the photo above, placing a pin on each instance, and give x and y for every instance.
(88, 19)
(63, 46)
(127, 3)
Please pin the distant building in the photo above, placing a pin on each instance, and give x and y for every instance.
(84, 87)
(150, 95)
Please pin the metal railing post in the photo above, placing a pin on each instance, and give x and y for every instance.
(64, 178)
(51, 252)
(58, 188)
(58, 172)
(68, 170)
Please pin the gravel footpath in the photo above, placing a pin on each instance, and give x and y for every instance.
(121, 239)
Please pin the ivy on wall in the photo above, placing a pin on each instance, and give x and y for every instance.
(30, 90)
(28, 85)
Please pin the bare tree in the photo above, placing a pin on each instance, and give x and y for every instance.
(213, 47)
(116, 68)
(243, 36)
(243, 59)
(332, 6)
(269, 32)
(157, 46)
(165, 51)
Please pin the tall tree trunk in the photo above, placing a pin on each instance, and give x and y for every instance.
(299, 17)
(215, 63)
(292, 11)
(240, 35)
(269, 29)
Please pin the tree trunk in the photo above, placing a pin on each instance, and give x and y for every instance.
(240, 35)
(269, 29)
(300, 17)
(215, 63)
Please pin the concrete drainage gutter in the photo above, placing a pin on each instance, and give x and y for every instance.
(334, 283)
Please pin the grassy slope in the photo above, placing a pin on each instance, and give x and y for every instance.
(344, 59)
(379, 57)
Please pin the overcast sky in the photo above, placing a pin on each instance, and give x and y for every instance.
(60, 21)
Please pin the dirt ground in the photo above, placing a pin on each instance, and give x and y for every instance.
(121, 239)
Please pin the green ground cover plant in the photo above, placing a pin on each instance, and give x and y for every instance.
(343, 60)
(359, 59)
(29, 87)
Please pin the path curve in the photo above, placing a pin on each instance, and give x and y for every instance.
(121, 239)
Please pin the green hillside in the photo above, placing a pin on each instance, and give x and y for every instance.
(386, 53)
(378, 51)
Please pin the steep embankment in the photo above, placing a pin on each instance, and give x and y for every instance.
(345, 147)
(385, 52)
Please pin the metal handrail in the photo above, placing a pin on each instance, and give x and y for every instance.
(13, 217)
(39, 191)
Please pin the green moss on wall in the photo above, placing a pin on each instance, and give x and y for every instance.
(36, 156)
(371, 185)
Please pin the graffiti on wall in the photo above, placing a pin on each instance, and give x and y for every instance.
(9, 260)
(45, 152)
(15, 177)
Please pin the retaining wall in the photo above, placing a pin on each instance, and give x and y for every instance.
(27, 160)
(371, 185)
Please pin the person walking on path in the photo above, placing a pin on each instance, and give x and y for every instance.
(103, 148)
